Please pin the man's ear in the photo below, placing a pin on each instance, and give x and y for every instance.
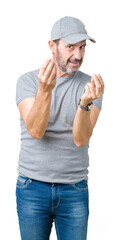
(52, 46)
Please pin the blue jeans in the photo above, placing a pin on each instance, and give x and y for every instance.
(39, 204)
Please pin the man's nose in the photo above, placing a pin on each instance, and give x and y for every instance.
(77, 54)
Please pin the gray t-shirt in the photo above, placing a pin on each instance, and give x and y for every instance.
(54, 158)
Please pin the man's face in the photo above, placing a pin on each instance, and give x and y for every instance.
(69, 57)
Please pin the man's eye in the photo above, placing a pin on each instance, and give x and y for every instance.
(70, 46)
(82, 47)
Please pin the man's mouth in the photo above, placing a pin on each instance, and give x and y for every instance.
(74, 63)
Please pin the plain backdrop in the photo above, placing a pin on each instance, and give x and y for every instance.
(25, 30)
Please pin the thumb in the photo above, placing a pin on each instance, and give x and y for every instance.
(86, 87)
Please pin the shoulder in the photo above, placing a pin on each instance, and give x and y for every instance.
(27, 85)
(30, 75)
(29, 78)
(83, 76)
(81, 79)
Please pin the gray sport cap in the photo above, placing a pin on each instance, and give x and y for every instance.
(70, 29)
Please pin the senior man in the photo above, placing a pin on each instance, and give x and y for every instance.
(59, 106)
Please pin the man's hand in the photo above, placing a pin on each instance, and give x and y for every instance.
(47, 76)
(94, 90)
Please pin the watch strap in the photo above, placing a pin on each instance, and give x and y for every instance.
(87, 108)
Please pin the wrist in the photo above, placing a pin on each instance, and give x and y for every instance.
(85, 105)
(42, 91)
(85, 102)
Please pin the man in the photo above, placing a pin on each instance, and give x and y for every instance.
(59, 106)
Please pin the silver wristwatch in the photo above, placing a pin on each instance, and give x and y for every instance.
(87, 108)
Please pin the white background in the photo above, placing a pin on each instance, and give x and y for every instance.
(25, 31)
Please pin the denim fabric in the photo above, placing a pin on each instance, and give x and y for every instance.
(39, 204)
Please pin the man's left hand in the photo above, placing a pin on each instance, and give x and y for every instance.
(94, 89)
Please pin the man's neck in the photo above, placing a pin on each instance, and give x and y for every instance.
(62, 74)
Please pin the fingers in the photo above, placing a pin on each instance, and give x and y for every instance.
(49, 70)
(47, 75)
(95, 88)
(52, 76)
(99, 84)
(101, 80)
(43, 67)
(92, 89)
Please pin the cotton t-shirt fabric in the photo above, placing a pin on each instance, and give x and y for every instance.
(54, 158)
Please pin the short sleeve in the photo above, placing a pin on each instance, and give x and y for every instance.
(25, 87)
(98, 102)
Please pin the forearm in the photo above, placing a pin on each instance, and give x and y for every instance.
(82, 129)
(84, 121)
(37, 119)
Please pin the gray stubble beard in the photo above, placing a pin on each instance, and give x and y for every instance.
(66, 68)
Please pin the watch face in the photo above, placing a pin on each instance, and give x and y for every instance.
(90, 106)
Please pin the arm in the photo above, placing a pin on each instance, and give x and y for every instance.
(85, 121)
(37, 119)
(35, 111)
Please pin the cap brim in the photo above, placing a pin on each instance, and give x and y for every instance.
(74, 38)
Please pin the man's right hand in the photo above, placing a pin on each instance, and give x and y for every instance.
(47, 76)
